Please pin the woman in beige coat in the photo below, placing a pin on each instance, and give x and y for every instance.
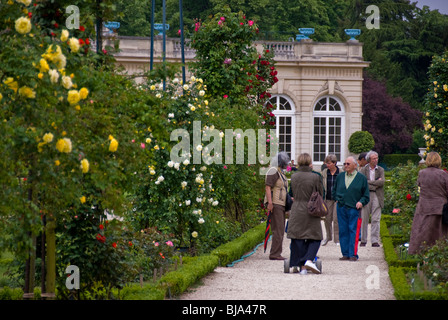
(304, 230)
(427, 225)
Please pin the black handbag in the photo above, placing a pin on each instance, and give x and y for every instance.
(445, 213)
(289, 201)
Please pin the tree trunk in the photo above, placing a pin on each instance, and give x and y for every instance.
(51, 256)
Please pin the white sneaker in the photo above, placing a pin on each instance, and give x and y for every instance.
(303, 272)
(312, 267)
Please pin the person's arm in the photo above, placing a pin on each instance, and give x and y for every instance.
(365, 198)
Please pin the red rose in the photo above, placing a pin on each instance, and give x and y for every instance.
(114, 244)
(81, 28)
(56, 25)
(87, 41)
(101, 227)
(408, 197)
(81, 42)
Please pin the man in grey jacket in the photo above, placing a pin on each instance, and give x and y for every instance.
(375, 179)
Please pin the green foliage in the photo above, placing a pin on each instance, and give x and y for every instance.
(360, 141)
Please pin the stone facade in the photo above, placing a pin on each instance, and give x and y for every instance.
(319, 92)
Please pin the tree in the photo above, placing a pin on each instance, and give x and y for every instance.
(238, 77)
(65, 134)
(390, 120)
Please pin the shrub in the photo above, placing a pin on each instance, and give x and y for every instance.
(401, 196)
(435, 263)
(360, 141)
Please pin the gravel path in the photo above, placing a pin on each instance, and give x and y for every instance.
(257, 278)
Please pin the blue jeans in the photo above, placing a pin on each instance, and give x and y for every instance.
(349, 221)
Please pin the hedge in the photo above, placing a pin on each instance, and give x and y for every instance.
(393, 160)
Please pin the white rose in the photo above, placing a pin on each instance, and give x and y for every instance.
(176, 165)
(186, 162)
(215, 203)
(187, 202)
(170, 115)
(54, 75)
(201, 221)
(160, 178)
(170, 164)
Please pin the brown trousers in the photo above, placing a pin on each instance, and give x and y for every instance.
(278, 230)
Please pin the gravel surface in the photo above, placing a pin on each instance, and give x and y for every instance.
(257, 278)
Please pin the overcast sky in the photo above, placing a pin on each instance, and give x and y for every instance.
(441, 5)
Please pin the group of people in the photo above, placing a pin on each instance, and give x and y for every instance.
(352, 197)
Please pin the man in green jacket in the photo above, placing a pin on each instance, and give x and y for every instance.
(351, 192)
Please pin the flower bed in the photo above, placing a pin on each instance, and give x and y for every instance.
(403, 268)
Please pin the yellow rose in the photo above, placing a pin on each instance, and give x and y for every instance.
(445, 87)
(1, 97)
(113, 145)
(64, 145)
(85, 165)
(82, 199)
(23, 25)
(27, 92)
(83, 93)
(48, 137)
(73, 97)
(13, 85)
(64, 35)
(25, 2)
(40, 75)
(43, 65)
(57, 163)
(74, 44)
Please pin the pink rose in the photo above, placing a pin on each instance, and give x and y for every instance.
(226, 96)
(250, 22)
(142, 145)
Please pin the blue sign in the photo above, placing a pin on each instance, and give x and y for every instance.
(352, 33)
(306, 31)
(159, 27)
(112, 25)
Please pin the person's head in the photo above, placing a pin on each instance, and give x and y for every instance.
(304, 160)
(362, 159)
(350, 164)
(331, 161)
(281, 160)
(372, 158)
(433, 159)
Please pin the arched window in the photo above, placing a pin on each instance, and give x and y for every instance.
(284, 123)
(328, 121)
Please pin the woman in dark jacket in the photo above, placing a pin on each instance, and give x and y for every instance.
(427, 225)
(304, 230)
